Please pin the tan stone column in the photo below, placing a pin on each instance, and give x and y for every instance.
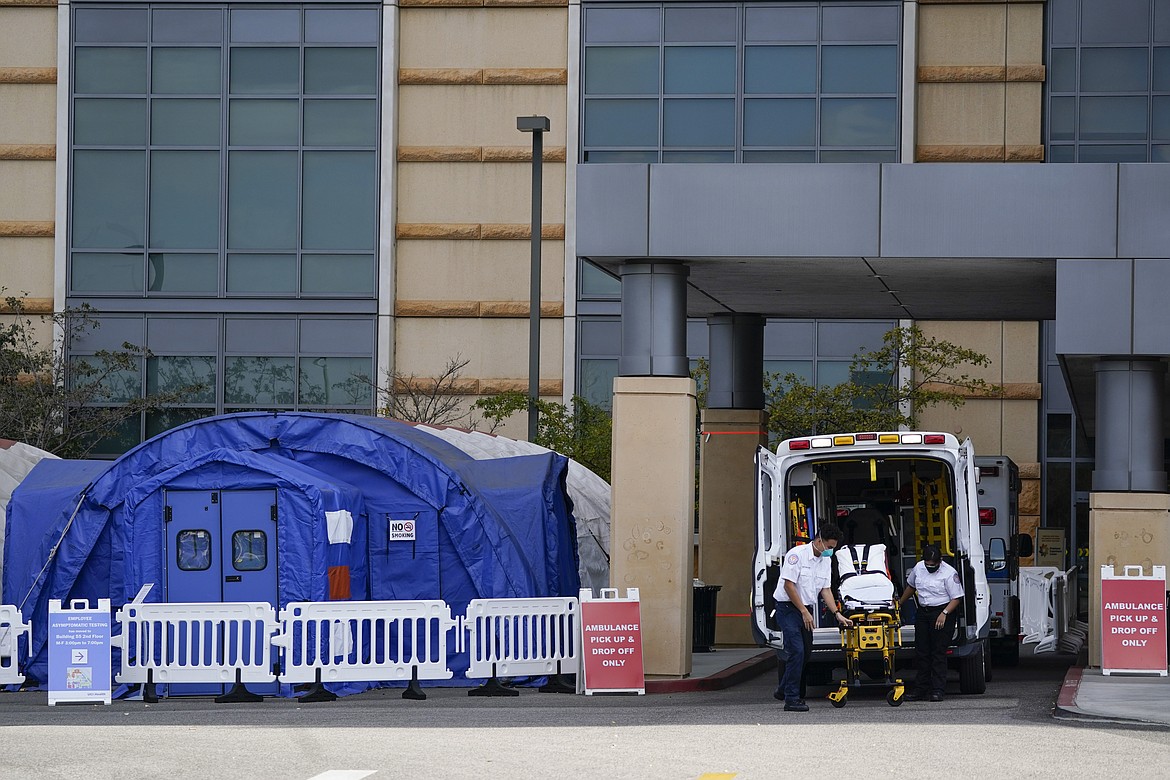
(653, 513)
(727, 528)
(1125, 529)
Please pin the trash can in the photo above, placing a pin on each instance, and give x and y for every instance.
(703, 638)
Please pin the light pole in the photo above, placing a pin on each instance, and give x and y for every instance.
(538, 126)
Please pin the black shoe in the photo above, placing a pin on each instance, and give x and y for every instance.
(795, 706)
(914, 697)
(936, 697)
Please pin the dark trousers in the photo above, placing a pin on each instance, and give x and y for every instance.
(797, 649)
(931, 644)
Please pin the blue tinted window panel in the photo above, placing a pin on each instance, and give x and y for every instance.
(1114, 70)
(109, 199)
(273, 71)
(858, 155)
(342, 25)
(700, 25)
(596, 283)
(336, 71)
(595, 382)
(780, 69)
(335, 381)
(1160, 153)
(1162, 70)
(109, 122)
(260, 335)
(262, 200)
(779, 156)
(779, 122)
(187, 25)
(191, 375)
(108, 383)
(321, 336)
(859, 69)
(93, 272)
(1161, 21)
(109, 25)
(1115, 21)
(259, 380)
(192, 274)
(1112, 153)
(698, 157)
(341, 123)
(1160, 119)
(859, 122)
(163, 420)
(337, 274)
(265, 274)
(831, 373)
(861, 23)
(697, 122)
(1062, 118)
(699, 70)
(780, 24)
(183, 334)
(1113, 118)
(622, 25)
(256, 122)
(621, 70)
(185, 71)
(339, 197)
(802, 369)
(1061, 154)
(269, 25)
(114, 70)
(1063, 21)
(1062, 77)
(621, 157)
(621, 122)
(184, 199)
(185, 122)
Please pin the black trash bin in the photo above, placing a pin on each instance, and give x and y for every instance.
(705, 596)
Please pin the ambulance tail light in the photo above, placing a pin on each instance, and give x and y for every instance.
(987, 516)
(934, 438)
(798, 444)
(867, 437)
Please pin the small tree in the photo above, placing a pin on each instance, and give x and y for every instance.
(68, 404)
(433, 400)
(876, 398)
(583, 432)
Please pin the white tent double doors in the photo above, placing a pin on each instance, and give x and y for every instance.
(219, 545)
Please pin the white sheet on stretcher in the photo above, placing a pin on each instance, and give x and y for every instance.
(874, 589)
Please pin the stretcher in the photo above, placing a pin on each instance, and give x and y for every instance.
(869, 600)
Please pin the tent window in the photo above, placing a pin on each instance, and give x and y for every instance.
(249, 550)
(194, 550)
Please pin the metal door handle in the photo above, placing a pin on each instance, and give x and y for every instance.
(233, 578)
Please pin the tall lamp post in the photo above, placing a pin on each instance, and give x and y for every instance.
(538, 126)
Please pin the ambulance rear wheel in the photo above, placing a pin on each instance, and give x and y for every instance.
(894, 698)
(971, 672)
(839, 703)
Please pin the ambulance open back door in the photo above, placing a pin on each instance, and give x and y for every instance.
(901, 489)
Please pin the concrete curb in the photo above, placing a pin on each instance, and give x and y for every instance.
(733, 675)
(1065, 707)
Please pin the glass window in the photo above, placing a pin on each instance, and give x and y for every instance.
(249, 550)
(699, 25)
(1160, 122)
(272, 274)
(860, 23)
(622, 25)
(106, 272)
(1062, 154)
(193, 376)
(339, 197)
(341, 71)
(596, 283)
(109, 25)
(262, 200)
(269, 25)
(1063, 75)
(621, 70)
(782, 368)
(162, 420)
(193, 550)
(698, 157)
(113, 70)
(184, 273)
(1162, 70)
(780, 69)
(258, 380)
(859, 122)
(342, 25)
(337, 274)
(621, 123)
(341, 123)
(273, 71)
(185, 71)
(1112, 153)
(1115, 21)
(595, 384)
(263, 123)
(781, 23)
(777, 156)
(1062, 119)
(857, 155)
(111, 385)
(109, 198)
(697, 122)
(832, 372)
(1113, 118)
(184, 200)
(109, 122)
(187, 25)
(184, 122)
(335, 381)
(1114, 70)
(779, 122)
(859, 69)
(700, 70)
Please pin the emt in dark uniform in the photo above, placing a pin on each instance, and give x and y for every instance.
(806, 571)
(939, 592)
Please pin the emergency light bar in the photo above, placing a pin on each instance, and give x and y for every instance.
(846, 440)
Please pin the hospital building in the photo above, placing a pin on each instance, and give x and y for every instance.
(280, 198)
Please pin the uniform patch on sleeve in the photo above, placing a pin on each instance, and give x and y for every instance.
(794, 559)
(956, 579)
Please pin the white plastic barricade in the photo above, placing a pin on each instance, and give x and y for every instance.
(523, 637)
(1036, 622)
(196, 642)
(12, 628)
(328, 641)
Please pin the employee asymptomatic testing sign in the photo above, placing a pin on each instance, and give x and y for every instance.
(611, 638)
(1133, 621)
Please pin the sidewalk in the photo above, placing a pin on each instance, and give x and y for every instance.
(724, 667)
(1088, 695)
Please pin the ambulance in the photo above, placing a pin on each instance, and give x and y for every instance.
(897, 489)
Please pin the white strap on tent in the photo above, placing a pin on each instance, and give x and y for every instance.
(339, 525)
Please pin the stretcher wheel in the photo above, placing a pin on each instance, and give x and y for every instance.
(895, 697)
(839, 703)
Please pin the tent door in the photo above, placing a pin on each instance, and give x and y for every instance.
(220, 546)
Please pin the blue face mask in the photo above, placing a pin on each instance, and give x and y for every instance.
(826, 553)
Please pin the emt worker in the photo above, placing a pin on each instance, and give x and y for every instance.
(806, 571)
(939, 592)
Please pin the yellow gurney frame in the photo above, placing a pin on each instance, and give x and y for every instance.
(877, 630)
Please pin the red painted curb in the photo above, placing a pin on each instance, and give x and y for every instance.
(1067, 698)
(744, 670)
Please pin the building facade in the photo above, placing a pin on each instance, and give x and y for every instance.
(290, 203)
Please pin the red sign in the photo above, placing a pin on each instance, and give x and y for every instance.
(611, 634)
(1133, 624)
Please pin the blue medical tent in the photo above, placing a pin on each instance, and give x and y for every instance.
(284, 507)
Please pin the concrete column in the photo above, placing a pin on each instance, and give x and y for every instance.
(727, 500)
(1129, 434)
(653, 512)
(1125, 529)
(737, 361)
(654, 320)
